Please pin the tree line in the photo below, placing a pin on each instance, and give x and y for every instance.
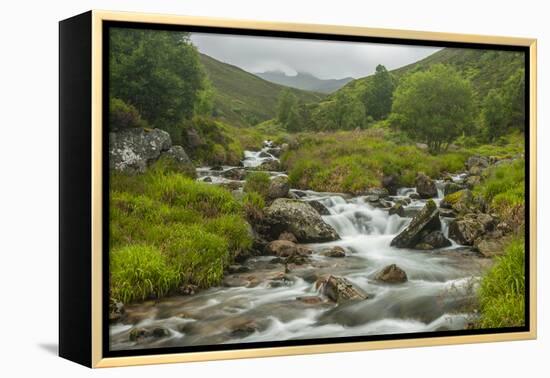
(434, 106)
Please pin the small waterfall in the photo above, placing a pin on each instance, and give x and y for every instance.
(255, 158)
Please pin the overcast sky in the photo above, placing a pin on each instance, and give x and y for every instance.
(324, 59)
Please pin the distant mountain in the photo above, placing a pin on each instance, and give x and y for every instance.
(243, 98)
(305, 81)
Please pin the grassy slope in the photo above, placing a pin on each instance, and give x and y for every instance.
(242, 98)
(486, 69)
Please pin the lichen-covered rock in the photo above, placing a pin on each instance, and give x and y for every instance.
(299, 218)
(425, 186)
(391, 274)
(423, 222)
(472, 181)
(378, 192)
(319, 207)
(278, 187)
(339, 289)
(451, 187)
(131, 150)
(490, 246)
(468, 228)
(391, 183)
(463, 202)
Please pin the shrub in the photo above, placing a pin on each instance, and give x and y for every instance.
(123, 115)
(257, 182)
(502, 290)
(139, 272)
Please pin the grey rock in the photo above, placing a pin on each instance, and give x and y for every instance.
(278, 187)
(131, 150)
(391, 274)
(339, 289)
(424, 221)
(299, 218)
(319, 207)
(425, 186)
(335, 251)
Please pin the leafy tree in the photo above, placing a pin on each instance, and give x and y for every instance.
(287, 100)
(513, 93)
(378, 94)
(343, 112)
(494, 115)
(434, 106)
(157, 72)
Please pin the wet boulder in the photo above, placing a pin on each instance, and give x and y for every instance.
(131, 150)
(340, 289)
(391, 274)
(299, 218)
(278, 187)
(319, 207)
(234, 174)
(335, 251)
(433, 240)
(288, 236)
(286, 248)
(466, 229)
(397, 209)
(377, 193)
(391, 183)
(423, 222)
(269, 165)
(275, 151)
(425, 186)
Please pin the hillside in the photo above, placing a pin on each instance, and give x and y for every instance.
(486, 69)
(305, 81)
(242, 98)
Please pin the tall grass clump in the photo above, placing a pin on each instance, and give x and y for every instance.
(139, 272)
(180, 225)
(502, 291)
(257, 182)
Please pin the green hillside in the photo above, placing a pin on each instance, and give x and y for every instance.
(242, 98)
(486, 69)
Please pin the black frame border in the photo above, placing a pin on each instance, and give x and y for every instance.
(106, 25)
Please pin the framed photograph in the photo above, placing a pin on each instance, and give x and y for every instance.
(234, 189)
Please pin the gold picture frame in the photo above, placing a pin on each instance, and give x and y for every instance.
(94, 264)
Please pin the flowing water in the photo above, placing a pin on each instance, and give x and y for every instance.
(264, 304)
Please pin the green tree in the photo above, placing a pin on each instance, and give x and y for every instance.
(434, 106)
(286, 102)
(378, 94)
(157, 72)
(343, 112)
(494, 115)
(513, 94)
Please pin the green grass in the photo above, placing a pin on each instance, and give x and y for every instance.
(504, 190)
(183, 226)
(351, 161)
(257, 182)
(140, 271)
(502, 291)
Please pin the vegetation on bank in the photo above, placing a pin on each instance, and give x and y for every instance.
(167, 230)
(352, 161)
(502, 291)
(501, 295)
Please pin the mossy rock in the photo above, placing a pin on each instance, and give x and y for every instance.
(463, 202)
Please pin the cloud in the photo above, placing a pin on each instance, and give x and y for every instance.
(324, 59)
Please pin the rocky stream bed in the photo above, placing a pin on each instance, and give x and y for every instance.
(331, 265)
